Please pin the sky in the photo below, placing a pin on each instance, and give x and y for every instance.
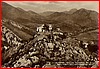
(43, 6)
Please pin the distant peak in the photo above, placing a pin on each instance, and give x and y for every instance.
(70, 11)
(32, 11)
(83, 9)
(73, 9)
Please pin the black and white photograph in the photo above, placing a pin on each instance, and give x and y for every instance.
(50, 34)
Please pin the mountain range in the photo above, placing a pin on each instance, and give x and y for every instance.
(74, 20)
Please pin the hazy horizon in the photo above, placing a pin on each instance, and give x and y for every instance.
(43, 6)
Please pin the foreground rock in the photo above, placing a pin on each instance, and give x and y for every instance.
(50, 48)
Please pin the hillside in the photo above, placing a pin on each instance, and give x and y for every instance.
(73, 20)
(77, 21)
(47, 13)
(49, 39)
(20, 15)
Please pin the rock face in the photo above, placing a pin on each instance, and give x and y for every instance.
(49, 49)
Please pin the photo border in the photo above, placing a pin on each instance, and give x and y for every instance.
(45, 0)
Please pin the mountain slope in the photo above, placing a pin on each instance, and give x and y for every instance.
(20, 15)
(70, 21)
(47, 13)
(79, 20)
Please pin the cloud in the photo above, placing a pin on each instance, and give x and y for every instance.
(42, 6)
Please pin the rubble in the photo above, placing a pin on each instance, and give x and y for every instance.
(48, 49)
